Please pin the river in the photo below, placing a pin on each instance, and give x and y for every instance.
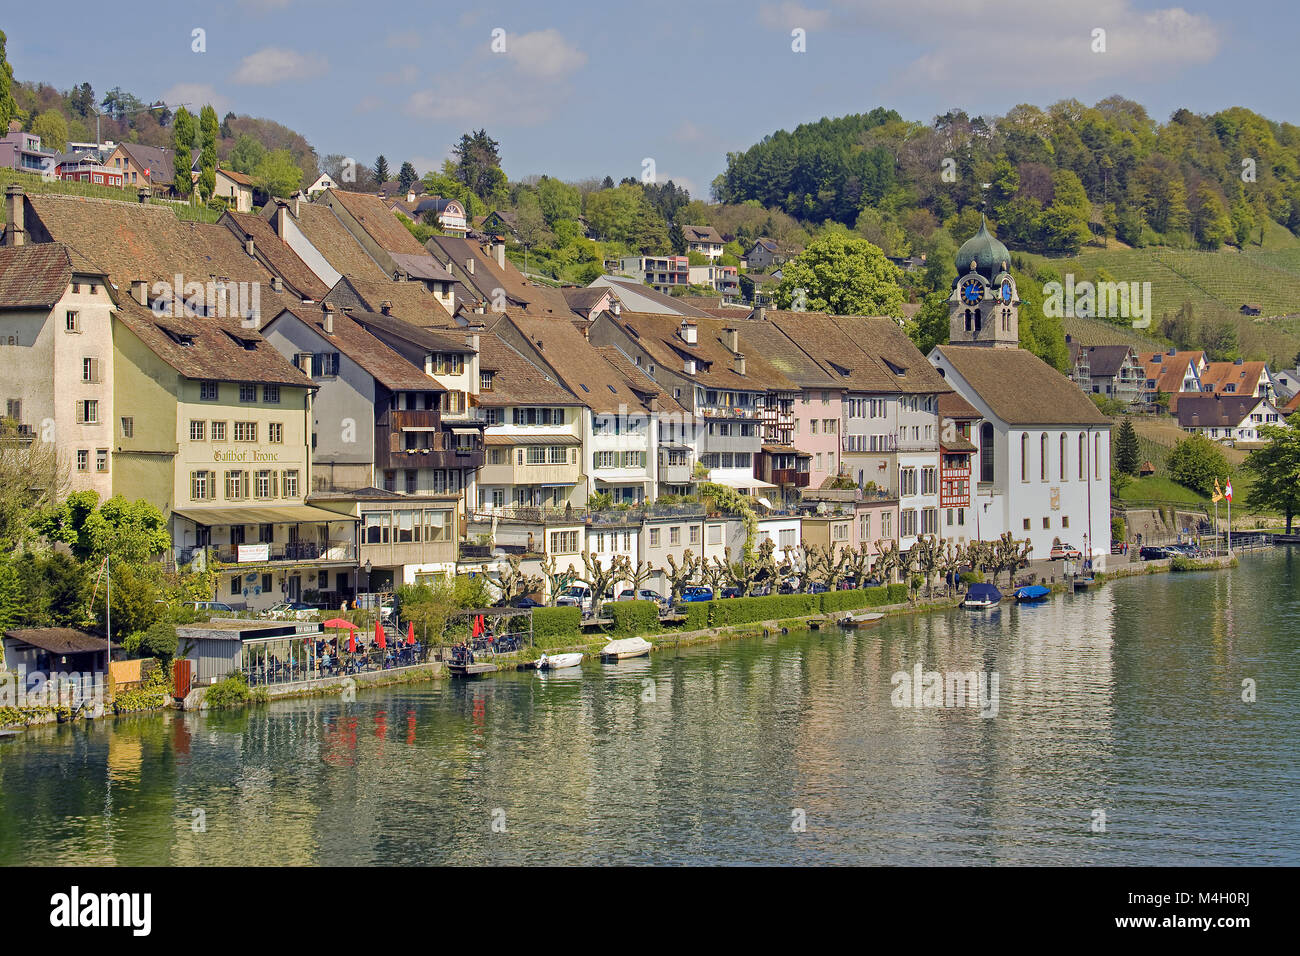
(1120, 737)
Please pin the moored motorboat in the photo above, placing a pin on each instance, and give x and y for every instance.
(981, 595)
(558, 661)
(1032, 592)
(626, 648)
(858, 620)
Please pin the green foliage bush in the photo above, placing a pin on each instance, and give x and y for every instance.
(632, 617)
(550, 623)
(972, 577)
(697, 615)
(229, 692)
(850, 600)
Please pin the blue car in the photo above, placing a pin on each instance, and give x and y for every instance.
(697, 593)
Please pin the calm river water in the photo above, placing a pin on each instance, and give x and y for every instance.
(1126, 702)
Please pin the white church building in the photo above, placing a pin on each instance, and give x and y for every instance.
(1042, 469)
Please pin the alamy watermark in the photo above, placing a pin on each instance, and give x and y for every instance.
(922, 688)
(1101, 300)
(24, 688)
(219, 298)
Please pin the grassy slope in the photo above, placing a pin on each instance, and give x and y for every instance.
(33, 184)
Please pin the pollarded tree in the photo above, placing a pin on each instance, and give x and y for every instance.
(680, 576)
(926, 555)
(557, 580)
(638, 574)
(715, 572)
(599, 577)
(950, 562)
(889, 560)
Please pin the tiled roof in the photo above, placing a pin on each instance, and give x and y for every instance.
(1167, 370)
(1215, 411)
(515, 380)
(575, 362)
(584, 299)
(237, 177)
(627, 290)
(283, 260)
(351, 339)
(640, 382)
(520, 293)
(158, 161)
(1107, 359)
(421, 266)
(701, 234)
(131, 241)
(326, 232)
(869, 354)
(1020, 388)
(36, 276)
(432, 339)
(1245, 377)
(410, 301)
(952, 405)
(374, 216)
(60, 640)
(219, 350)
(786, 356)
(658, 335)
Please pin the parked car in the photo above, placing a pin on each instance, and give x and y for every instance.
(575, 595)
(816, 587)
(523, 601)
(730, 592)
(1154, 552)
(697, 592)
(1065, 551)
(210, 606)
(290, 611)
(1188, 550)
(645, 594)
(788, 587)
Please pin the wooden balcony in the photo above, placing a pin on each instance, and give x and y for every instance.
(790, 476)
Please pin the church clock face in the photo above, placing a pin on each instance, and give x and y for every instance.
(1006, 290)
(971, 291)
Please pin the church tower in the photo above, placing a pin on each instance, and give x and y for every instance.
(984, 308)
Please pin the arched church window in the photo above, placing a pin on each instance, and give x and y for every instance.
(978, 322)
(986, 452)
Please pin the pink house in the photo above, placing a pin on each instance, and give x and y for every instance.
(817, 417)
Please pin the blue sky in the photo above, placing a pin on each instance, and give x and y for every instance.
(592, 88)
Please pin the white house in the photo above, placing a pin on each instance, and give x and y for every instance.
(1227, 418)
(1043, 465)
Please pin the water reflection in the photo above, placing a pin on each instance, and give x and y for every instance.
(1125, 700)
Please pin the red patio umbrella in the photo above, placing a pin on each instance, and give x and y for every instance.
(352, 642)
(478, 626)
(379, 636)
(410, 632)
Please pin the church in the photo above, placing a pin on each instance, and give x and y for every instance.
(1042, 464)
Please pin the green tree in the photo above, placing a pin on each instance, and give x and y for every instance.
(184, 131)
(1196, 462)
(558, 200)
(381, 169)
(11, 596)
(246, 155)
(135, 597)
(209, 130)
(407, 175)
(842, 275)
(1211, 224)
(1128, 457)
(478, 164)
(158, 640)
(279, 173)
(8, 107)
(126, 530)
(1276, 470)
(52, 128)
(929, 327)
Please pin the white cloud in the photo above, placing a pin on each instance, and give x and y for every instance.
(1009, 42)
(403, 76)
(524, 92)
(272, 65)
(786, 16)
(544, 53)
(197, 96)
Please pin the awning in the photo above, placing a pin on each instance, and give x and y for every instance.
(751, 483)
(280, 514)
(467, 431)
(421, 428)
(674, 446)
(531, 440)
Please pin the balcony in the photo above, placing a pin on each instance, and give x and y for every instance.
(790, 476)
(743, 412)
(437, 445)
(290, 551)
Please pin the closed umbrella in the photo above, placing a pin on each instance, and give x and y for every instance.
(352, 642)
(379, 636)
(410, 632)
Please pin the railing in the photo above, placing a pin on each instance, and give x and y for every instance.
(529, 513)
(318, 660)
(482, 552)
(290, 551)
(637, 514)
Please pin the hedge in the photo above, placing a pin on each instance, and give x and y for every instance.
(632, 617)
(550, 623)
(697, 615)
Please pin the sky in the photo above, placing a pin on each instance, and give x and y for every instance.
(598, 87)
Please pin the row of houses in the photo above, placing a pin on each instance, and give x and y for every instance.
(1225, 401)
(326, 406)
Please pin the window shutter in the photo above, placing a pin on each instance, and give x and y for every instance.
(81, 413)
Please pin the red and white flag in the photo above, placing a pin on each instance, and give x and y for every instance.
(1227, 490)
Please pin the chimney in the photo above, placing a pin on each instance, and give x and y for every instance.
(248, 244)
(297, 204)
(732, 338)
(327, 317)
(469, 265)
(142, 194)
(762, 313)
(15, 233)
(688, 366)
(1172, 352)
(277, 284)
(386, 307)
(500, 250)
(738, 363)
(472, 341)
(689, 331)
(451, 268)
(140, 291)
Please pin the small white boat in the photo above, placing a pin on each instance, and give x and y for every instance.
(627, 648)
(558, 661)
(858, 620)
